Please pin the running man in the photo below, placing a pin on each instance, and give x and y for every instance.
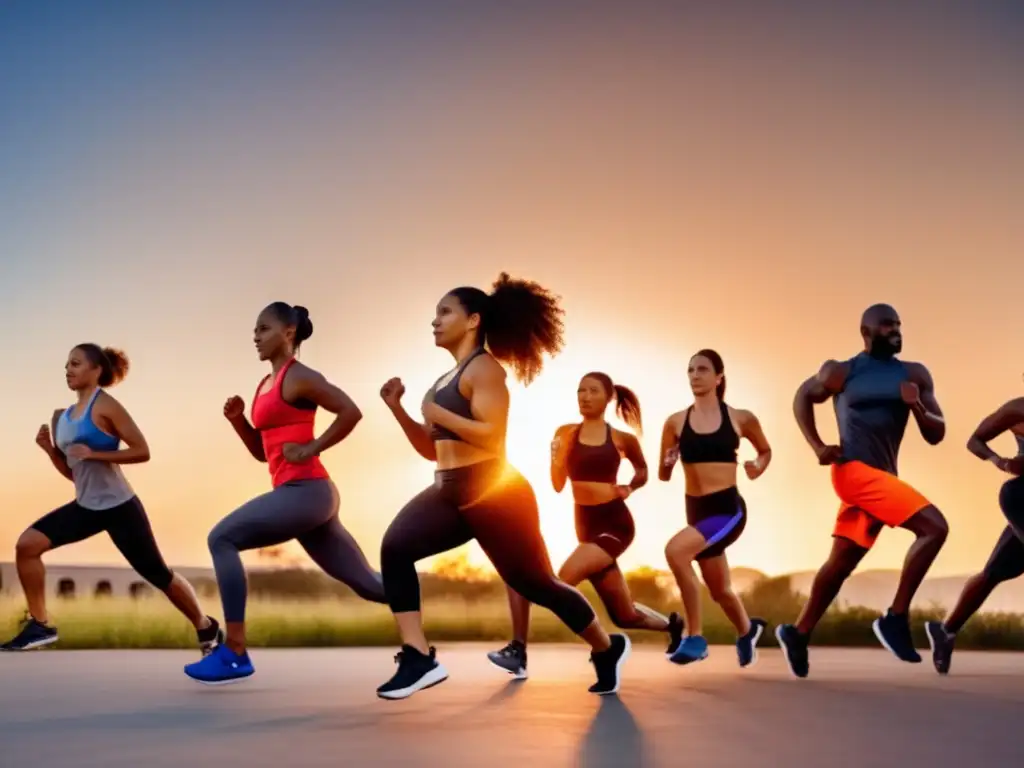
(873, 394)
(705, 438)
(476, 493)
(303, 504)
(1007, 559)
(589, 455)
(83, 444)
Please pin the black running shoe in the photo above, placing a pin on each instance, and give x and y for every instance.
(942, 643)
(893, 632)
(33, 634)
(746, 646)
(511, 658)
(794, 648)
(416, 671)
(608, 665)
(210, 637)
(676, 627)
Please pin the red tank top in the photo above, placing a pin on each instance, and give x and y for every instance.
(280, 422)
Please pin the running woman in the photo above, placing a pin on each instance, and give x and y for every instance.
(705, 439)
(873, 394)
(588, 454)
(303, 504)
(1007, 559)
(84, 445)
(476, 493)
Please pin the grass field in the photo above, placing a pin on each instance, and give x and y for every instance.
(483, 616)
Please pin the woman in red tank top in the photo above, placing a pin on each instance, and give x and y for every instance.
(303, 504)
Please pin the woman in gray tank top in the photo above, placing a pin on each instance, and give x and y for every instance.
(86, 450)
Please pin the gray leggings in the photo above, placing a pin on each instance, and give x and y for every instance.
(305, 510)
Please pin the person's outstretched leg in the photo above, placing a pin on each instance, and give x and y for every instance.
(65, 525)
(506, 524)
(428, 525)
(718, 579)
(339, 555)
(130, 531)
(512, 658)
(1004, 564)
(287, 512)
(794, 639)
(680, 552)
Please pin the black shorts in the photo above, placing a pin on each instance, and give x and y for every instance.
(720, 517)
(128, 527)
(608, 525)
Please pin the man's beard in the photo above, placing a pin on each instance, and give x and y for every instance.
(883, 347)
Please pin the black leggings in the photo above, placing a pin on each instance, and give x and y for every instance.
(495, 505)
(1007, 559)
(126, 524)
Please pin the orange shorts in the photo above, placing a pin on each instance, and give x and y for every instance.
(870, 499)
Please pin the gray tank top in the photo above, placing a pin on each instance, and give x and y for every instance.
(98, 484)
(871, 413)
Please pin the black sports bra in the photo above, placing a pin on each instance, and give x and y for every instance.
(719, 446)
(451, 399)
(593, 463)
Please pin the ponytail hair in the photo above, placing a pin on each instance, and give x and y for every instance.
(627, 404)
(719, 368)
(520, 321)
(113, 363)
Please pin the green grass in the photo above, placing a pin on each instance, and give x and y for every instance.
(473, 612)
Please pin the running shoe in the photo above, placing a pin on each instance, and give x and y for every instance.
(511, 658)
(220, 667)
(893, 632)
(693, 648)
(608, 665)
(33, 634)
(416, 671)
(794, 648)
(942, 642)
(746, 646)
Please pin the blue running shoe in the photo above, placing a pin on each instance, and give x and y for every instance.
(746, 646)
(220, 667)
(693, 648)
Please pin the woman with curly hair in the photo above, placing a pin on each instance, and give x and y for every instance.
(476, 493)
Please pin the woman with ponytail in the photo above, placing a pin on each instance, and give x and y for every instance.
(588, 454)
(476, 493)
(705, 438)
(83, 442)
(303, 504)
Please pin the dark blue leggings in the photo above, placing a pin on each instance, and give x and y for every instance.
(720, 517)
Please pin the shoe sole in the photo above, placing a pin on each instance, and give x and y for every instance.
(618, 668)
(753, 646)
(931, 644)
(876, 627)
(520, 674)
(228, 681)
(682, 661)
(785, 652)
(434, 677)
(33, 645)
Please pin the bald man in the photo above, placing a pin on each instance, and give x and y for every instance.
(874, 394)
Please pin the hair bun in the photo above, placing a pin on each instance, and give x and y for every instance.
(303, 325)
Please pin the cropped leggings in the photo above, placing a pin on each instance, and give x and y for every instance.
(495, 505)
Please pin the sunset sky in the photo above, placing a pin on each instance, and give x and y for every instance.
(745, 181)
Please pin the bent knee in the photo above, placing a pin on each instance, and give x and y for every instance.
(723, 594)
(933, 524)
(31, 543)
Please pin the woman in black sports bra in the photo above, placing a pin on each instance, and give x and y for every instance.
(705, 438)
(589, 454)
(476, 494)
